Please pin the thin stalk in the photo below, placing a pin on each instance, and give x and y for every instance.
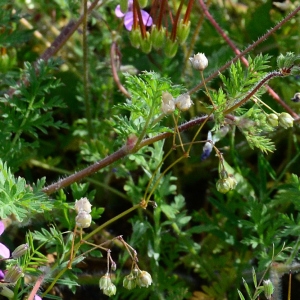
(19, 132)
(86, 92)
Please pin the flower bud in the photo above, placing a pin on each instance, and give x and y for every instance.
(183, 102)
(135, 37)
(113, 266)
(158, 37)
(199, 61)
(146, 43)
(83, 204)
(6, 292)
(272, 120)
(206, 150)
(129, 282)
(168, 104)
(268, 288)
(144, 279)
(183, 31)
(13, 274)
(131, 141)
(223, 185)
(83, 219)
(110, 290)
(105, 282)
(285, 120)
(19, 251)
(170, 48)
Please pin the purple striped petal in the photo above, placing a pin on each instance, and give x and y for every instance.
(4, 251)
(2, 227)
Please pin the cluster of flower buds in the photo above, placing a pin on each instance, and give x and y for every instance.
(136, 20)
(83, 210)
(284, 120)
(137, 278)
(227, 182)
(106, 285)
(183, 102)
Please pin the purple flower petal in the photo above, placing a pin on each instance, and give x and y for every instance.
(147, 20)
(4, 251)
(37, 297)
(1, 275)
(118, 12)
(128, 20)
(2, 227)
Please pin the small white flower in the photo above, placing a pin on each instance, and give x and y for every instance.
(167, 103)
(199, 61)
(83, 204)
(183, 102)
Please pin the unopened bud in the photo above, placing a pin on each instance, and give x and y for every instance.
(13, 274)
(170, 48)
(183, 30)
(113, 266)
(268, 288)
(105, 282)
(285, 120)
(168, 103)
(224, 185)
(183, 102)
(83, 204)
(83, 219)
(272, 120)
(144, 279)
(129, 282)
(135, 37)
(158, 36)
(146, 43)
(19, 251)
(110, 291)
(199, 61)
(6, 292)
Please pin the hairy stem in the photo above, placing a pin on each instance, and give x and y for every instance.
(122, 152)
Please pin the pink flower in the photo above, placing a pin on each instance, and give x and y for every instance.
(128, 16)
(36, 297)
(4, 251)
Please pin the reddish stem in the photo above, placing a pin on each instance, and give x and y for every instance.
(188, 12)
(174, 29)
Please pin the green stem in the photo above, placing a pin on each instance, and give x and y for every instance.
(19, 132)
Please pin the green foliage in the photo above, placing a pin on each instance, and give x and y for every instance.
(144, 105)
(161, 198)
(19, 198)
(28, 111)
